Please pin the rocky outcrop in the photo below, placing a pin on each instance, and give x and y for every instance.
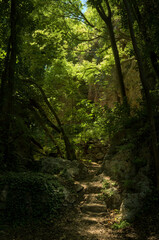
(71, 169)
(132, 174)
(133, 201)
(107, 91)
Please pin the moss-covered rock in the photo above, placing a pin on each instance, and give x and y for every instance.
(71, 169)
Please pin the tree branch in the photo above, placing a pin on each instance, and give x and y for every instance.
(88, 40)
(102, 14)
(37, 116)
(82, 14)
(69, 148)
(43, 114)
(109, 9)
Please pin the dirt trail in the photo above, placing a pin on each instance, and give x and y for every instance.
(89, 220)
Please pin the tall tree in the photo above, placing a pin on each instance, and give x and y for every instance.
(7, 85)
(144, 25)
(107, 18)
(146, 89)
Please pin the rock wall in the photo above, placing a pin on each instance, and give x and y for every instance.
(131, 171)
(108, 91)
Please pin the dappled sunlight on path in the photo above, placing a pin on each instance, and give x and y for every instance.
(89, 219)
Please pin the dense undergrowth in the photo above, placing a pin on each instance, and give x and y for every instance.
(29, 195)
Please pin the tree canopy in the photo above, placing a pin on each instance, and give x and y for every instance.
(57, 62)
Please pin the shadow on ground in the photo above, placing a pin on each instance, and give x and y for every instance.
(89, 220)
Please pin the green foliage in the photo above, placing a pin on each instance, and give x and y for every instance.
(109, 183)
(65, 55)
(121, 225)
(109, 188)
(90, 118)
(31, 195)
(94, 3)
(116, 119)
(135, 127)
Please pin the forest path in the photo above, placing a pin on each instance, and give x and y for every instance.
(87, 220)
(90, 220)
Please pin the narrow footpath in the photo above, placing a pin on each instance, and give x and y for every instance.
(90, 219)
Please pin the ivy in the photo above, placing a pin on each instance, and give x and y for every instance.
(31, 195)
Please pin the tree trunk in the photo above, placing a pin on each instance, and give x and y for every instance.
(70, 152)
(7, 90)
(142, 27)
(117, 60)
(108, 21)
(46, 130)
(4, 77)
(43, 114)
(146, 92)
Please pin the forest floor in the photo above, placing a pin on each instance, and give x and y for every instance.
(89, 220)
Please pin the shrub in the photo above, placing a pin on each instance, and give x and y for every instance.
(121, 225)
(31, 195)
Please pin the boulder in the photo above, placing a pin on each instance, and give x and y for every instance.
(69, 197)
(130, 206)
(119, 165)
(113, 201)
(73, 172)
(133, 202)
(78, 187)
(53, 165)
(133, 176)
(143, 183)
(73, 169)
